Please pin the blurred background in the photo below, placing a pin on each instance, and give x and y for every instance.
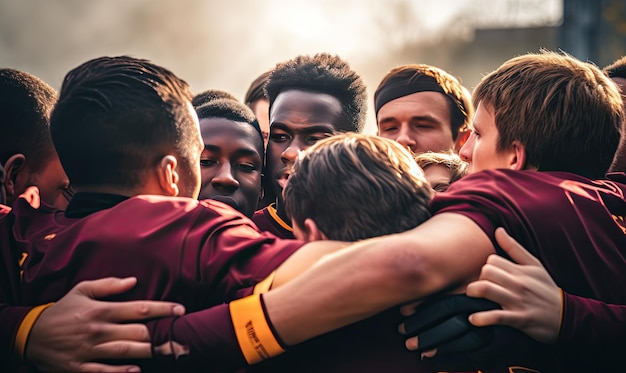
(226, 44)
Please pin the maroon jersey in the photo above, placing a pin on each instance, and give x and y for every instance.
(10, 314)
(267, 220)
(588, 322)
(9, 257)
(575, 227)
(198, 253)
(494, 198)
(372, 345)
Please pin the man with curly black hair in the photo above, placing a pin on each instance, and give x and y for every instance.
(311, 97)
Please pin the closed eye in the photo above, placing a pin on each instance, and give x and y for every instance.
(207, 162)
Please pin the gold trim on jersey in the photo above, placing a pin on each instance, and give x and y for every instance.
(264, 285)
(274, 214)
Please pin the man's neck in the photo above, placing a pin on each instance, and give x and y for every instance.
(116, 190)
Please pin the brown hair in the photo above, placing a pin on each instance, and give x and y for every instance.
(565, 112)
(617, 69)
(357, 186)
(449, 159)
(255, 92)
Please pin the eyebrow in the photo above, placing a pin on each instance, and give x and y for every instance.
(238, 152)
(309, 129)
(425, 118)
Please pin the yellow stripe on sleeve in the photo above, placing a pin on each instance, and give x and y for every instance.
(23, 331)
(265, 285)
(255, 338)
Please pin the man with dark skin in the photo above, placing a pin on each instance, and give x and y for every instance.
(232, 159)
(310, 99)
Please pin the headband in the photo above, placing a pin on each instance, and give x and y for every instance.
(403, 88)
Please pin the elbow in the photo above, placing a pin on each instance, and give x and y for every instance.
(404, 271)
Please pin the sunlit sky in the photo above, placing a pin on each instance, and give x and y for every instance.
(226, 44)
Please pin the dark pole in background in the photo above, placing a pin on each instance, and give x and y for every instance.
(594, 30)
(579, 31)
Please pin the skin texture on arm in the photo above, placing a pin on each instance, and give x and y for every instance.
(78, 330)
(373, 275)
(530, 299)
(303, 259)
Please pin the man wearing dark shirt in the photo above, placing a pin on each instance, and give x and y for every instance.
(133, 155)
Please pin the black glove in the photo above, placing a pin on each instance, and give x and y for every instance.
(442, 323)
(444, 319)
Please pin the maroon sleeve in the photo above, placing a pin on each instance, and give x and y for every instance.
(209, 335)
(589, 322)
(234, 254)
(11, 317)
(478, 197)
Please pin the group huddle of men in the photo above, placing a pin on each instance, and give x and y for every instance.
(169, 188)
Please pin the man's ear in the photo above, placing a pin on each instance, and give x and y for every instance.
(518, 156)
(168, 175)
(312, 231)
(14, 165)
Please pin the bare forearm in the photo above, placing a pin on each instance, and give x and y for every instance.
(341, 289)
(373, 275)
(304, 259)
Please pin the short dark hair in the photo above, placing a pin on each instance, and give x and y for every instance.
(25, 105)
(118, 116)
(617, 69)
(255, 91)
(357, 186)
(210, 95)
(323, 73)
(231, 110)
(567, 113)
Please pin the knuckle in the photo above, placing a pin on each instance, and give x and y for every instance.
(92, 313)
(93, 330)
(121, 349)
(142, 309)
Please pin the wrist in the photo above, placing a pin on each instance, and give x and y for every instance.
(26, 325)
(255, 334)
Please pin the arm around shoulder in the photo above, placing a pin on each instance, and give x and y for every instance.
(372, 275)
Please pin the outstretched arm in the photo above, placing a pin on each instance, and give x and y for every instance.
(78, 330)
(373, 275)
(344, 287)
